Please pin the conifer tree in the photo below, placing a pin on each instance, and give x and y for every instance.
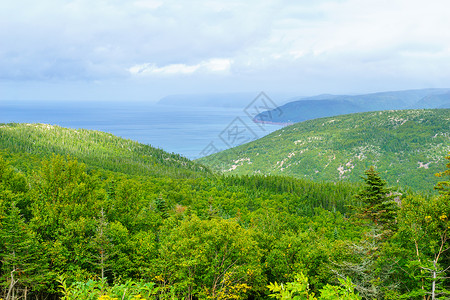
(102, 246)
(378, 204)
(22, 269)
(161, 207)
(371, 275)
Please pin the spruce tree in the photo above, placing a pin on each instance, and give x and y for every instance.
(161, 207)
(371, 275)
(378, 204)
(21, 266)
(102, 246)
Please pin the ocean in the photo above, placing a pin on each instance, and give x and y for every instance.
(190, 131)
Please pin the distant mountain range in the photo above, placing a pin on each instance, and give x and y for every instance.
(307, 108)
(407, 146)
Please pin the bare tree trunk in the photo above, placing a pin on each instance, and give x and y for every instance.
(103, 254)
(102, 262)
(11, 287)
(418, 258)
(433, 285)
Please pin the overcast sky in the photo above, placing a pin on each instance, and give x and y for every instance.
(146, 49)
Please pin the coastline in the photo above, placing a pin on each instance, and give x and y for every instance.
(255, 120)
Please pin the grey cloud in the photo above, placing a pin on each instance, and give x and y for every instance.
(273, 43)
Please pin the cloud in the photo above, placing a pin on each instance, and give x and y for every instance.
(269, 43)
(217, 65)
(148, 4)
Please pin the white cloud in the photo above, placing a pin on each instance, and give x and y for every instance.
(148, 4)
(268, 42)
(166, 70)
(216, 65)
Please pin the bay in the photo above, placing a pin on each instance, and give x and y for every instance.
(190, 131)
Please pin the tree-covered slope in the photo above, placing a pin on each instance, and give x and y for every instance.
(96, 149)
(70, 232)
(406, 146)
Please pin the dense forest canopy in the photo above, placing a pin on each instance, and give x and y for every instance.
(406, 146)
(95, 148)
(121, 222)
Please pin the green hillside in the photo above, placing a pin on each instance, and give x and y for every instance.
(406, 146)
(96, 149)
(134, 222)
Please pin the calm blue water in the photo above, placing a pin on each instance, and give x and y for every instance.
(191, 131)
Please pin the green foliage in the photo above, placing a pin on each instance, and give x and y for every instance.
(21, 265)
(299, 289)
(9, 179)
(303, 195)
(111, 234)
(161, 207)
(368, 265)
(423, 232)
(378, 204)
(101, 290)
(215, 258)
(407, 146)
(444, 186)
(344, 292)
(99, 150)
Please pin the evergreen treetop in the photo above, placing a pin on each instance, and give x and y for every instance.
(377, 199)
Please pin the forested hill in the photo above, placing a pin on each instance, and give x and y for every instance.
(96, 149)
(73, 233)
(406, 146)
